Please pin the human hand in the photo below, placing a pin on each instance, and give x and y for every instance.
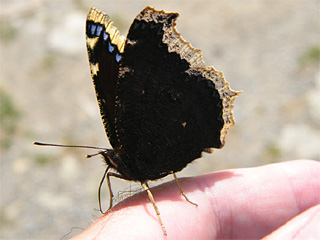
(232, 204)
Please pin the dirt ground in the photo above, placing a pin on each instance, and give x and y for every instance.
(268, 49)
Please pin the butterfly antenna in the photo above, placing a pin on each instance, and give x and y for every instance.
(92, 155)
(69, 146)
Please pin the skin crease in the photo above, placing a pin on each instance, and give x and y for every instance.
(247, 203)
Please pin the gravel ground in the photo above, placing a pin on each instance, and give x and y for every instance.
(268, 49)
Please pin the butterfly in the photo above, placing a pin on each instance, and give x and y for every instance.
(160, 105)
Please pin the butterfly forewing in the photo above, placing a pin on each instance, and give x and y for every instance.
(105, 46)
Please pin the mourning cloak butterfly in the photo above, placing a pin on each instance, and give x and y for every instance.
(160, 105)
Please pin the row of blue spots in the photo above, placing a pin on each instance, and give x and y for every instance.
(95, 30)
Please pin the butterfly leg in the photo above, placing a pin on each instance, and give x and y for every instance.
(180, 188)
(107, 176)
(146, 187)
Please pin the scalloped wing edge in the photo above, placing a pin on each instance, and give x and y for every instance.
(172, 37)
(226, 93)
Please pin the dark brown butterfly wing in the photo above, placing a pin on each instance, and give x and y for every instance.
(105, 46)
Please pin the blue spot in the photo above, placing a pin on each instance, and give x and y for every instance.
(93, 29)
(99, 29)
(118, 57)
(105, 36)
(110, 47)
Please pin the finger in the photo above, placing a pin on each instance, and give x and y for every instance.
(241, 203)
(255, 201)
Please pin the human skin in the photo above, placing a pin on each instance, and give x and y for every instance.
(249, 203)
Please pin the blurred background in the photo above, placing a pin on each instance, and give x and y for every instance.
(268, 49)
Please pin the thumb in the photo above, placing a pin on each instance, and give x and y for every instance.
(303, 226)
